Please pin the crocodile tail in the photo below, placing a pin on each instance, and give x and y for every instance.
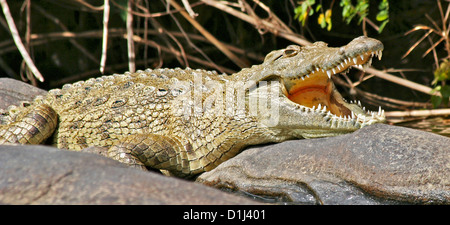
(28, 124)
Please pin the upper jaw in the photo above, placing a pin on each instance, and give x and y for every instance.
(309, 84)
(320, 59)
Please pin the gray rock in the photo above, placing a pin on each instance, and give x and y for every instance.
(377, 164)
(45, 175)
(13, 91)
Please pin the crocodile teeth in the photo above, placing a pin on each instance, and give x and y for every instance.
(329, 73)
(355, 60)
(380, 112)
(333, 123)
(353, 120)
(378, 53)
(365, 66)
(360, 67)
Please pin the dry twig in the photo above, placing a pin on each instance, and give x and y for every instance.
(106, 9)
(418, 113)
(188, 8)
(38, 39)
(267, 25)
(74, 42)
(95, 8)
(380, 100)
(130, 42)
(401, 81)
(18, 41)
(209, 36)
(192, 44)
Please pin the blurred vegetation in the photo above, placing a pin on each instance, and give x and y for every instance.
(349, 11)
(441, 75)
(64, 39)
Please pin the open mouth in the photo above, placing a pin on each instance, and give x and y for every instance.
(316, 89)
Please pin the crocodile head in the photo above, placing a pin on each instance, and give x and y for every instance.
(309, 103)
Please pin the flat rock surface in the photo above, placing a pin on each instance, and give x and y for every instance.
(377, 164)
(46, 175)
(13, 91)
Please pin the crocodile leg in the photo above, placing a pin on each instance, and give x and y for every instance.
(152, 150)
(33, 126)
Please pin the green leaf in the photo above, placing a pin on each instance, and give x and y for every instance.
(345, 3)
(346, 11)
(443, 72)
(304, 7)
(123, 10)
(445, 92)
(435, 89)
(319, 6)
(384, 5)
(301, 13)
(297, 12)
(382, 15)
(436, 101)
(362, 6)
(382, 26)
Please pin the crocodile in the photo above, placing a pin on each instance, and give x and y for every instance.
(187, 121)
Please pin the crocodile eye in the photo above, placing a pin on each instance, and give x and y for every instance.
(290, 51)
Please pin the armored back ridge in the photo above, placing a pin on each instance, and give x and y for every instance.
(186, 121)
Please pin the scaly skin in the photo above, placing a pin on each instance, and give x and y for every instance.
(186, 121)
